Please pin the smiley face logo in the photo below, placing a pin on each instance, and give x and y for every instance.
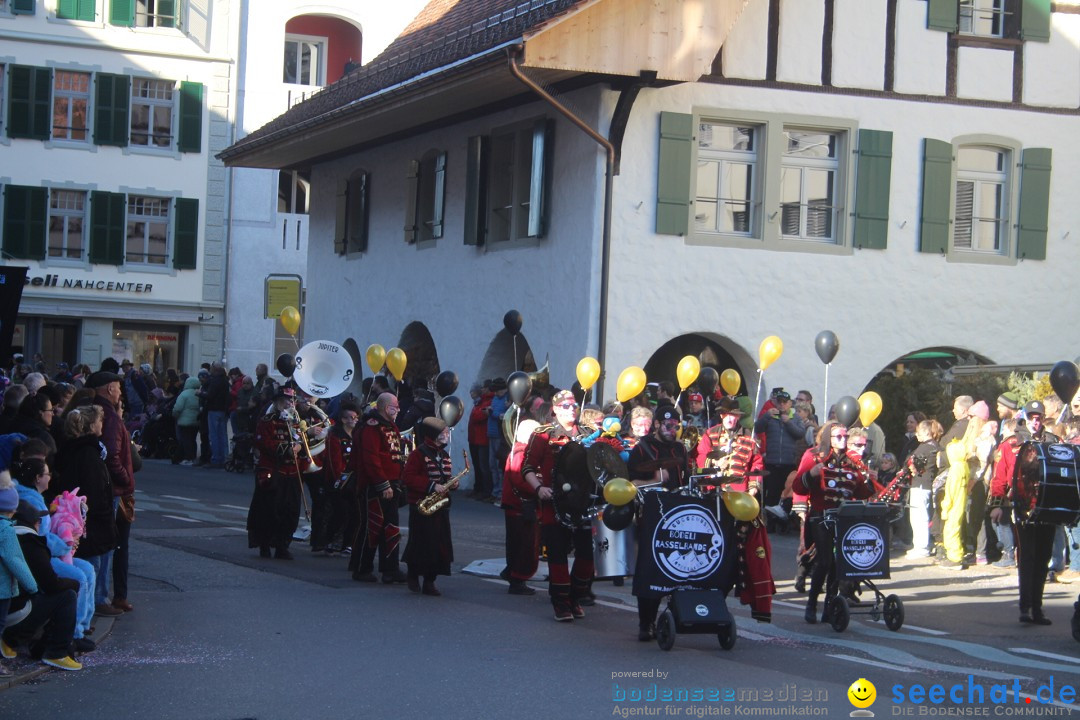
(862, 693)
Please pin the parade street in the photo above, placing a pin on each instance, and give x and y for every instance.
(218, 633)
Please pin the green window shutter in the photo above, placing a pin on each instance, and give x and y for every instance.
(25, 221)
(87, 10)
(76, 10)
(341, 215)
(22, 7)
(186, 234)
(935, 225)
(1035, 20)
(872, 180)
(107, 227)
(542, 133)
(359, 188)
(122, 12)
(190, 136)
(943, 15)
(112, 98)
(673, 174)
(1034, 204)
(439, 205)
(166, 13)
(475, 190)
(30, 102)
(412, 192)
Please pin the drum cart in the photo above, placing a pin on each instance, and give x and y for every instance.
(861, 551)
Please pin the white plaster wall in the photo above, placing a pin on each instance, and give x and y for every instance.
(921, 54)
(745, 50)
(859, 44)
(799, 55)
(984, 74)
(1051, 70)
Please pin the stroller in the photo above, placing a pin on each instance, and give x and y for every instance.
(242, 457)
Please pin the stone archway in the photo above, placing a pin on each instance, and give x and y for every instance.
(356, 386)
(422, 366)
(499, 359)
(711, 350)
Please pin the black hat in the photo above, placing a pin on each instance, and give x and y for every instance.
(430, 427)
(729, 406)
(102, 378)
(1035, 408)
(28, 515)
(666, 412)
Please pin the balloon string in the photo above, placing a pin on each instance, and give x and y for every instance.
(825, 401)
(515, 353)
(757, 396)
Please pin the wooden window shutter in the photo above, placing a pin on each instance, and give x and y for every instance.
(191, 105)
(186, 234)
(107, 227)
(122, 12)
(359, 188)
(943, 15)
(76, 10)
(412, 193)
(166, 13)
(673, 174)
(25, 221)
(439, 205)
(538, 177)
(935, 223)
(23, 7)
(872, 183)
(341, 216)
(1034, 204)
(1035, 20)
(476, 190)
(30, 102)
(112, 98)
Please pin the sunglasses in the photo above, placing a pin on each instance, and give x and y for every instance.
(842, 436)
(858, 444)
(567, 405)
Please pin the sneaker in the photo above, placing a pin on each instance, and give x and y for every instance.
(7, 651)
(187, 463)
(346, 551)
(106, 610)
(520, 588)
(646, 633)
(83, 645)
(948, 564)
(1005, 562)
(577, 611)
(64, 663)
(563, 615)
(918, 554)
(981, 560)
(1051, 577)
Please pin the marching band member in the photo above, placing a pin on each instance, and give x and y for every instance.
(378, 465)
(275, 504)
(520, 505)
(430, 549)
(566, 587)
(828, 474)
(338, 466)
(311, 470)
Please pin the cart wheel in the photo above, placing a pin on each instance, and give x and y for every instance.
(839, 617)
(894, 612)
(665, 630)
(727, 636)
(229, 466)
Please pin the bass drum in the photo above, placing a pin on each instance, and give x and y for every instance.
(614, 551)
(574, 493)
(1048, 472)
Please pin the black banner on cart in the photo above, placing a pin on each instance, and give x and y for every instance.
(683, 546)
(862, 549)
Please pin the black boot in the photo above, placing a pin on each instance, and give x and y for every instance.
(646, 632)
(811, 610)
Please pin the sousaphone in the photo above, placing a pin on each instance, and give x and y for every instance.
(324, 369)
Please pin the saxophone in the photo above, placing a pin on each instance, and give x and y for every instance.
(436, 501)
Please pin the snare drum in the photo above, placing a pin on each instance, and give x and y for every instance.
(614, 552)
(1048, 471)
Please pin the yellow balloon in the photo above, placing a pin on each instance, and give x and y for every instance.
(395, 362)
(869, 407)
(588, 372)
(687, 371)
(619, 491)
(375, 356)
(730, 381)
(290, 319)
(742, 506)
(771, 348)
(631, 383)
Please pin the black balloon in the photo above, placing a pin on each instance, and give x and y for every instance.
(1065, 379)
(446, 383)
(707, 380)
(618, 517)
(518, 386)
(826, 344)
(847, 411)
(512, 322)
(451, 409)
(286, 364)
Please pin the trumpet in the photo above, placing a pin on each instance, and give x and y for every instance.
(301, 427)
(436, 501)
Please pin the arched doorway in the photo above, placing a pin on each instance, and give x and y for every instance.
(499, 359)
(713, 351)
(355, 387)
(422, 359)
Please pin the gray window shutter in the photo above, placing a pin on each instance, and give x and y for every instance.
(439, 205)
(475, 190)
(30, 102)
(112, 98)
(25, 221)
(122, 12)
(943, 15)
(107, 227)
(186, 234)
(23, 7)
(1035, 20)
(872, 180)
(1034, 204)
(359, 189)
(341, 215)
(935, 223)
(541, 158)
(412, 193)
(191, 104)
(674, 174)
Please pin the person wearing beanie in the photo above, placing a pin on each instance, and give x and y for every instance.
(1007, 405)
(979, 410)
(429, 470)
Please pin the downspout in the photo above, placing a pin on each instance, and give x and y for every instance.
(234, 131)
(513, 55)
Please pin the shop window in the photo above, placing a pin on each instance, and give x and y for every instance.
(305, 60)
(71, 101)
(67, 224)
(147, 239)
(152, 112)
(294, 189)
(158, 345)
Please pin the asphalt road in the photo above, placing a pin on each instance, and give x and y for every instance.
(219, 633)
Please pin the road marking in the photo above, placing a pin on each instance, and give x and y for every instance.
(182, 519)
(617, 606)
(177, 497)
(226, 527)
(864, 661)
(1044, 654)
(916, 628)
(235, 507)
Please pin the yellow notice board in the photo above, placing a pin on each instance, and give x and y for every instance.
(281, 292)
